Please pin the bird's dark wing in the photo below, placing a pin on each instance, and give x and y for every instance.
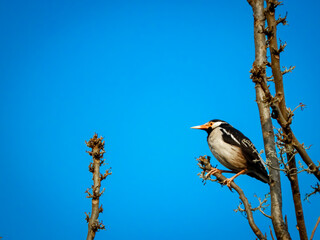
(231, 135)
(235, 137)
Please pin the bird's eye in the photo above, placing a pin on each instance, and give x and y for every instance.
(210, 124)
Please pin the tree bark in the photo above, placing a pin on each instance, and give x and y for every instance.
(278, 80)
(259, 76)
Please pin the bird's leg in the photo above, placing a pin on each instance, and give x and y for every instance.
(212, 171)
(228, 181)
(216, 170)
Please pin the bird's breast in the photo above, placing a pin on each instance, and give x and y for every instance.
(228, 155)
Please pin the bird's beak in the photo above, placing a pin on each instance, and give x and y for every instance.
(202, 127)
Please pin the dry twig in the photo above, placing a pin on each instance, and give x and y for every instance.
(315, 228)
(97, 146)
(316, 189)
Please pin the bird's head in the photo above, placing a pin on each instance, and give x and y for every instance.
(209, 126)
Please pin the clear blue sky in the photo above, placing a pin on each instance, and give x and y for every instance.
(139, 73)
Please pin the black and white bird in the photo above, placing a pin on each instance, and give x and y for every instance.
(234, 151)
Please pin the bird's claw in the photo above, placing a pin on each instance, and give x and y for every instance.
(212, 171)
(228, 182)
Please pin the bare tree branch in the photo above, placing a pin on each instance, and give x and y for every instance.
(282, 20)
(315, 228)
(261, 207)
(288, 70)
(274, 4)
(271, 233)
(278, 80)
(285, 124)
(97, 146)
(259, 78)
(205, 165)
(316, 189)
(301, 106)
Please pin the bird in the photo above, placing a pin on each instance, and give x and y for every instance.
(234, 151)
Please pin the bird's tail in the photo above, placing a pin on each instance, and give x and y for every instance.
(263, 177)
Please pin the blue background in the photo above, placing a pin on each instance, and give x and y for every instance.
(140, 74)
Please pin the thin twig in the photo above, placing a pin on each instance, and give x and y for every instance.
(315, 228)
(261, 206)
(271, 233)
(301, 106)
(316, 189)
(288, 70)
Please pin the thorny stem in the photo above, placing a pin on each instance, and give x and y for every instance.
(205, 165)
(97, 146)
